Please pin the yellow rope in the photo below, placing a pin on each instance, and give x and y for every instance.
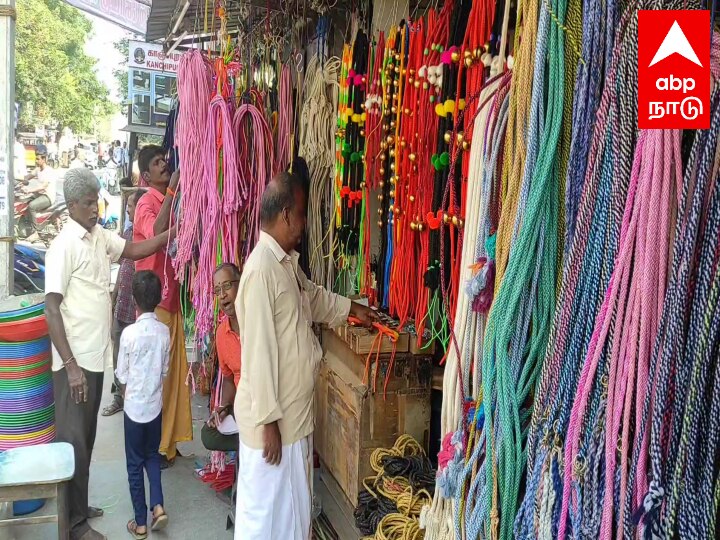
(515, 148)
(403, 525)
(399, 527)
(410, 504)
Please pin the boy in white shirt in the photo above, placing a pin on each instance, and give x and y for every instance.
(143, 362)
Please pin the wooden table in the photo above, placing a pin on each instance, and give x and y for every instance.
(38, 472)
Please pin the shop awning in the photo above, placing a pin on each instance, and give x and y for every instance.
(144, 130)
(159, 21)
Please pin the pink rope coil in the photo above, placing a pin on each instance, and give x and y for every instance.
(218, 122)
(194, 92)
(628, 323)
(255, 157)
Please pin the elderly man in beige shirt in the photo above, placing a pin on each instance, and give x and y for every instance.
(276, 306)
(78, 312)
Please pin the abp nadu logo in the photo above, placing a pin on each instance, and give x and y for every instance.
(674, 69)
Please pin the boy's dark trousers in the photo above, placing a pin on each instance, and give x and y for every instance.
(141, 452)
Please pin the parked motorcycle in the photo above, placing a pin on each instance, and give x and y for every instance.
(109, 178)
(29, 270)
(47, 224)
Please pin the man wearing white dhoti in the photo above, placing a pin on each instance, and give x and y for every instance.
(276, 306)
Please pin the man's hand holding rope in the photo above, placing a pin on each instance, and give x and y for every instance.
(365, 316)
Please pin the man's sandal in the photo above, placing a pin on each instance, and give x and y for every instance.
(94, 512)
(114, 407)
(132, 528)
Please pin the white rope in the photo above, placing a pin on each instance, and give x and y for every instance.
(439, 519)
(317, 146)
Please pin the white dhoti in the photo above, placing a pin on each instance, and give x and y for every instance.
(274, 502)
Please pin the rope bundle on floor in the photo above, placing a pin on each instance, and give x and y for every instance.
(391, 503)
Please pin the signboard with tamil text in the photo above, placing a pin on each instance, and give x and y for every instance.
(151, 56)
(152, 83)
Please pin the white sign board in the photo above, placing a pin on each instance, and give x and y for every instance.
(152, 57)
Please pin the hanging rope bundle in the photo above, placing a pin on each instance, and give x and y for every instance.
(583, 365)
(598, 32)
(194, 92)
(285, 125)
(587, 269)
(255, 158)
(680, 408)
(317, 123)
(619, 376)
(518, 324)
(222, 199)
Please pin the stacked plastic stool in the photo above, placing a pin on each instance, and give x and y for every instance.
(27, 407)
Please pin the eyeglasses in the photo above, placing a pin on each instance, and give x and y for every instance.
(225, 287)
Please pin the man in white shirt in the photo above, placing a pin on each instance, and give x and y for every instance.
(76, 162)
(41, 183)
(125, 158)
(79, 318)
(276, 306)
(117, 154)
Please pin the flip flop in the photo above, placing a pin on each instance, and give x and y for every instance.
(159, 522)
(132, 529)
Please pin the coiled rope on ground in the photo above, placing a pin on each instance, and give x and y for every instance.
(390, 503)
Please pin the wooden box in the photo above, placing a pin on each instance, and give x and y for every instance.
(362, 340)
(351, 421)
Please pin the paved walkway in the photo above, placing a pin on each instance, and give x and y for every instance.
(194, 509)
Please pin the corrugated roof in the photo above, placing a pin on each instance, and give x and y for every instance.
(163, 13)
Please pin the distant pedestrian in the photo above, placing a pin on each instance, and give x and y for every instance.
(143, 364)
(77, 162)
(123, 304)
(117, 154)
(19, 160)
(125, 159)
(41, 183)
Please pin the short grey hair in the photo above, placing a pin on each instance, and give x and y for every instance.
(278, 195)
(79, 183)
